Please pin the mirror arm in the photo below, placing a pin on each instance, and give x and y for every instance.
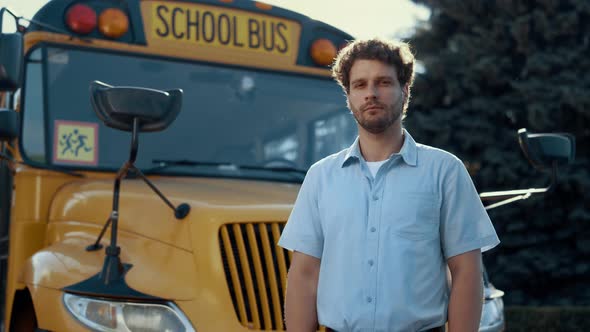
(134, 141)
(4, 156)
(520, 194)
(18, 26)
(180, 211)
(4, 9)
(111, 270)
(9, 160)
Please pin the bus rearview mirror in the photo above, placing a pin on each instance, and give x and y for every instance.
(545, 150)
(117, 107)
(11, 61)
(8, 124)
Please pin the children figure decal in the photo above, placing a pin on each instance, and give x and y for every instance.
(75, 143)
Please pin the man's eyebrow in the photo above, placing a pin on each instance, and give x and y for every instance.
(385, 77)
(378, 78)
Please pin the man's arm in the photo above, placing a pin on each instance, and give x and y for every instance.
(302, 285)
(466, 292)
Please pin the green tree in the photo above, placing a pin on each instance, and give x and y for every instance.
(490, 68)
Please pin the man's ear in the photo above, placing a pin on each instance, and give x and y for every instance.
(405, 91)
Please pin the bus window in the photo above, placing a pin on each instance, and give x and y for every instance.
(282, 148)
(333, 133)
(229, 114)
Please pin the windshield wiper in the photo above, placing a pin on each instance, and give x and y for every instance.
(167, 163)
(284, 169)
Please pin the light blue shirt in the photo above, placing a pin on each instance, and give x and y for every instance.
(384, 241)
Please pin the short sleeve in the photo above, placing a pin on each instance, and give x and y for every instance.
(465, 224)
(303, 231)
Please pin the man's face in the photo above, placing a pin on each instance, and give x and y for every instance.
(376, 98)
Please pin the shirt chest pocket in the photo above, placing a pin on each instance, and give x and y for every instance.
(416, 216)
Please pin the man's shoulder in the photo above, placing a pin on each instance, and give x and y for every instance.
(431, 154)
(330, 162)
(324, 168)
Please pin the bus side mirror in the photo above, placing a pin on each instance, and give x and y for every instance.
(8, 124)
(11, 61)
(545, 150)
(119, 106)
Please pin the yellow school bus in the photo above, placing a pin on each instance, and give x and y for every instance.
(233, 101)
(258, 108)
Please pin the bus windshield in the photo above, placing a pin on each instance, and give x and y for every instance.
(229, 114)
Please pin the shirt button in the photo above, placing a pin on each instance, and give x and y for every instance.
(369, 299)
(370, 262)
(375, 198)
(373, 229)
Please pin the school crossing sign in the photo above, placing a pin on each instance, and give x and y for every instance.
(75, 143)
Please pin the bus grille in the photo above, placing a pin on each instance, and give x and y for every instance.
(256, 272)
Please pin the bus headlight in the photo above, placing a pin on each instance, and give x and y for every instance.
(115, 316)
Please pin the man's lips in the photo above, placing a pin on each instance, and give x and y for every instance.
(372, 107)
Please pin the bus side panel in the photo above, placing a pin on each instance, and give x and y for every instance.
(52, 315)
(33, 191)
(25, 239)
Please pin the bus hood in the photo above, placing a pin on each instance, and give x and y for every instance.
(213, 202)
(170, 258)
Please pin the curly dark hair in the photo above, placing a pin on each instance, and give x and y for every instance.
(395, 53)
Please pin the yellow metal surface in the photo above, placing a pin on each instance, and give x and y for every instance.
(29, 214)
(248, 279)
(259, 265)
(190, 27)
(213, 293)
(235, 279)
(159, 270)
(259, 275)
(271, 277)
(25, 239)
(211, 54)
(280, 257)
(52, 315)
(174, 259)
(91, 202)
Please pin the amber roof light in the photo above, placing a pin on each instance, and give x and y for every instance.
(323, 52)
(113, 23)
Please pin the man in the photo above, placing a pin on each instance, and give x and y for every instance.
(375, 226)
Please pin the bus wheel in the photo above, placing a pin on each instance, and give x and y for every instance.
(23, 312)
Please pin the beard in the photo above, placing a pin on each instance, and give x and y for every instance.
(377, 124)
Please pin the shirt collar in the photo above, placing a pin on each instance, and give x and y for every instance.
(408, 151)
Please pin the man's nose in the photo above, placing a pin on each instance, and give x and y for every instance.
(372, 92)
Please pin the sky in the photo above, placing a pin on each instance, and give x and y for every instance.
(360, 18)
